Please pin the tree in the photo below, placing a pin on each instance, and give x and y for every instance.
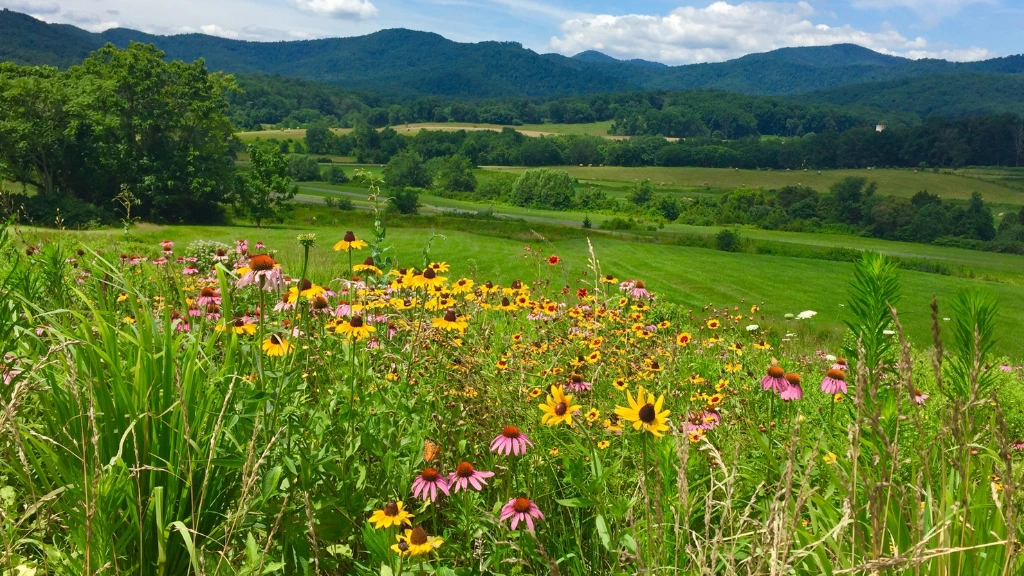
(669, 208)
(265, 191)
(406, 169)
(641, 193)
(406, 200)
(543, 188)
(303, 168)
(454, 173)
(319, 139)
(335, 175)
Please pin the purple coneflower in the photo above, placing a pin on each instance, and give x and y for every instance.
(510, 441)
(427, 484)
(167, 245)
(8, 368)
(841, 364)
(519, 510)
(834, 382)
(160, 261)
(702, 420)
(208, 296)
(1018, 445)
(639, 291)
(189, 270)
(775, 380)
(919, 397)
(793, 391)
(466, 476)
(576, 384)
(264, 272)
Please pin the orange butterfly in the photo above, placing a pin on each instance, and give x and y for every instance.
(430, 451)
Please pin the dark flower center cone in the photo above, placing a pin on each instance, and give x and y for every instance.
(647, 413)
(304, 285)
(521, 505)
(391, 509)
(418, 536)
(429, 274)
(429, 474)
(464, 470)
(356, 322)
(510, 432)
(561, 408)
(449, 316)
(349, 236)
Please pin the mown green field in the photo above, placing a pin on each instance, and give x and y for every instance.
(292, 133)
(693, 277)
(591, 129)
(904, 183)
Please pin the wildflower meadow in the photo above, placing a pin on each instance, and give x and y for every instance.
(202, 409)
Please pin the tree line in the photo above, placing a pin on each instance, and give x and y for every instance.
(979, 141)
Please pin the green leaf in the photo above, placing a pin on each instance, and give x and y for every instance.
(602, 532)
(577, 502)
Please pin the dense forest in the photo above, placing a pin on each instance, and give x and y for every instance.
(290, 103)
(938, 142)
(407, 63)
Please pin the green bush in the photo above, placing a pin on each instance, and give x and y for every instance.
(303, 168)
(727, 240)
(406, 200)
(334, 175)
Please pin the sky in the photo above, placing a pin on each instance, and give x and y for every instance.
(669, 31)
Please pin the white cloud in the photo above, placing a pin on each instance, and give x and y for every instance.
(216, 30)
(723, 31)
(88, 21)
(31, 6)
(345, 9)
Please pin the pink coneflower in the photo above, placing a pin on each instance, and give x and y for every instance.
(8, 368)
(577, 384)
(194, 312)
(834, 382)
(1006, 368)
(775, 379)
(259, 245)
(342, 310)
(519, 510)
(136, 260)
(841, 364)
(427, 484)
(242, 246)
(510, 441)
(160, 261)
(284, 304)
(208, 295)
(702, 420)
(1018, 445)
(212, 312)
(263, 272)
(465, 476)
(793, 391)
(220, 255)
(919, 397)
(639, 291)
(167, 245)
(189, 270)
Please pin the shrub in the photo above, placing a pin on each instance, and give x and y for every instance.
(406, 200)
(334, 175)
(339, 203)
(303, 168)
(727, 240)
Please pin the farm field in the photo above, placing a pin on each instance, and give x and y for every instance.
(1001, 267)
(903, 183)
(591, 129)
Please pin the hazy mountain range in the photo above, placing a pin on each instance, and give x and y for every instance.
(403, 62)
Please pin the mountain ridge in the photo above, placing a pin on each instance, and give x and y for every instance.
(408, 62)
